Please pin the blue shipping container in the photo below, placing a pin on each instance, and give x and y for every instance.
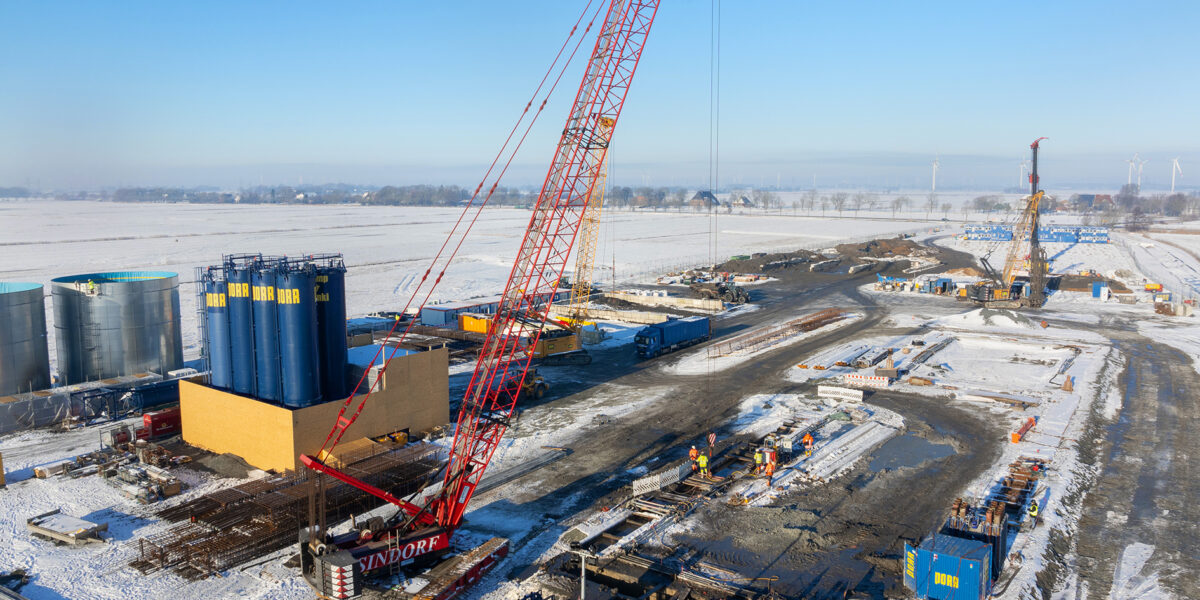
(216, 309)
(266, 335)
(672, 335)
(295, 293)
(945, 567)
(1098, 288)
(241, 330)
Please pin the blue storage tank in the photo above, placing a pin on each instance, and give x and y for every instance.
(945, 567)
(266, 334)
(216, 309)
(297, 308)
(241, 329)
(331, 331)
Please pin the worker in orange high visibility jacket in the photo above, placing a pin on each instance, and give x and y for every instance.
(693, 454)
(770, 469)
(807, 440)
(702, 461)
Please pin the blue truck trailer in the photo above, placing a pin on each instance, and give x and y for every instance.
(671, 335)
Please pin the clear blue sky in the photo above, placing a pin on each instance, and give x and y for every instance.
(856, 93)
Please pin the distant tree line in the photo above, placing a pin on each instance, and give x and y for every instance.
(14, 192)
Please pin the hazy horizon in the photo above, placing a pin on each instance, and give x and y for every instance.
(233, 95)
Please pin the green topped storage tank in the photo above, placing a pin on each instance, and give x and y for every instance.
(117, 323)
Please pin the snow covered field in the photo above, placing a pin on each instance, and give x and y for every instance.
(387, 248)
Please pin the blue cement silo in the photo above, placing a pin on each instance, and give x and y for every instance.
(241, 328)
(331, 329)
(266, 334)
(297, 308)
(216, 308)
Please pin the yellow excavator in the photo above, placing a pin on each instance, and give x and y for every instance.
(1023, 281)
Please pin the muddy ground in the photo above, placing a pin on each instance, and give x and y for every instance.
(599, 464)
(848, 535)
(1144, 483)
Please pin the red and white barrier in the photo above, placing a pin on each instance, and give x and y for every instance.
(875, 381)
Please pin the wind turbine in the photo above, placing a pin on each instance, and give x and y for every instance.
(1141, 164)
(935, 165)
(1175, 169)
(1131, 162)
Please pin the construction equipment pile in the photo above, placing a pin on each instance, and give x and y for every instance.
(236, 525)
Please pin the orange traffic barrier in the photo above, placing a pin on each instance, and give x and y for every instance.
(1019, 434)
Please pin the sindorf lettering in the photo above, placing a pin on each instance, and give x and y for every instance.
(410, 550)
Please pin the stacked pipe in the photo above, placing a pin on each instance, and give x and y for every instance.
(275, 327)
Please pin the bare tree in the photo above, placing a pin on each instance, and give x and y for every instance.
(839, 201)
(966, 211)
(679, 197)
(900, 203)
(858, 201)
(930, 205)
(946, 209)
(824, 204)
(810, 197)
(764, 198)
(984, 203)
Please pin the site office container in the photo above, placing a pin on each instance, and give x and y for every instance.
(162, 422)
(945, 567)
(472, 322)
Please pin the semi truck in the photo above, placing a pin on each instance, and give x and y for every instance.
(671, 335)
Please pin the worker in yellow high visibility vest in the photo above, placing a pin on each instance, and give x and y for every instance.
(702, 462)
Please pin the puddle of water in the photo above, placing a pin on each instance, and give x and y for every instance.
(907, 450)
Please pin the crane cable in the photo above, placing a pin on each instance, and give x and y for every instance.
(714, 123)
(342, 423)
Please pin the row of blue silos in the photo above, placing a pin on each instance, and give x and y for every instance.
(275, 328)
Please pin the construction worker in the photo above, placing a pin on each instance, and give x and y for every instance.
(91, 287)
(770, 468)
(758, 460)
(702, 461)
(693, 454)
(1033, 514)
(807, 440)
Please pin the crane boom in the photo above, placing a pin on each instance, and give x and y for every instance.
(585, 257)
(489, 400)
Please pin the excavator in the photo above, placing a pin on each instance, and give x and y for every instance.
(1023, 280)
(335, 565)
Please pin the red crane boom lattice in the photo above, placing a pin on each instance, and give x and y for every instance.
(504, 358)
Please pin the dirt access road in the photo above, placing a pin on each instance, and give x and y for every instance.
(601, 460)
(1141, 521)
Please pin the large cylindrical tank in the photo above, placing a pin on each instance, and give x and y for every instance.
(24, 359)
(218, 350)
(331, 331)
(266, 334)
(241, 329)
(296, 295)
(120, 323)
